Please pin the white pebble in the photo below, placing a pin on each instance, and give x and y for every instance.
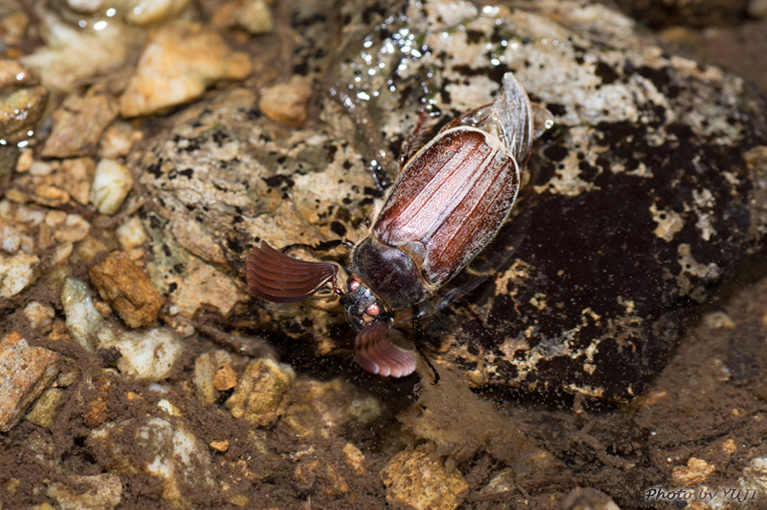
(130, 234)
(111, 185)
(16, 273)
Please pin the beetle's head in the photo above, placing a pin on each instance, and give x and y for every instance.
(362, 306)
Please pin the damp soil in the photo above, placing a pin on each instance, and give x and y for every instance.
(708, 404)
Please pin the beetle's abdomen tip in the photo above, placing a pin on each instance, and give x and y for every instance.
(378, 356)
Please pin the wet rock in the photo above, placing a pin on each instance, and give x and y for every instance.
(635, 210)
(97, 492)
(73, 55)
(9, 157)
(286, 102)
(22, 100)
(24, 373)
(178, 63)
(135, 12)
(258, 397)
(78, 124)
(17, 273)
(128, 289)
(14, 23)
(422, 481)
(111, 184)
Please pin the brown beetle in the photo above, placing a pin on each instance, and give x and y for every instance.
(447, 204)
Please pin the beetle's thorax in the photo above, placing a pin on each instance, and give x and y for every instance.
(389, 273)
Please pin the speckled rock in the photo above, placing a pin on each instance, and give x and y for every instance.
(638, 201)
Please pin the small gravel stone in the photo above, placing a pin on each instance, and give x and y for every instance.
(162, 445)
(17, 273)
(695, 472)
(286, 102)
(118, 139)
(421, 480)
(24, 373)
(202, 378)
(320, 475)
(97, 492)
(130, 234)
(258, 397)
(44, 410)
(23, 103)
(255, 16)
(178, 63)
(128, 289)
(40, 316)
(75, 176)
(78, 124)
(111, 184)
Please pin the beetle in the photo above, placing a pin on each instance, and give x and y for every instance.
(447, 204)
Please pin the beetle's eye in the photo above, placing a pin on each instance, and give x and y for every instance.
(373, 310)
(353, 284)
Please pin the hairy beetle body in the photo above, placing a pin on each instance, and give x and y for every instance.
(447, 204)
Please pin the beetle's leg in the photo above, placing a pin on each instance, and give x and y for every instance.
(417, 332)
(277, 277)
(322, 246)
(376, 354)
(414, 137)
(385, 169)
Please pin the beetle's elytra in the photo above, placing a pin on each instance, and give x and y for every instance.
(447, 204)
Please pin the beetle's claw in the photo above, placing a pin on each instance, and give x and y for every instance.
(378, 356)
(277, 277)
